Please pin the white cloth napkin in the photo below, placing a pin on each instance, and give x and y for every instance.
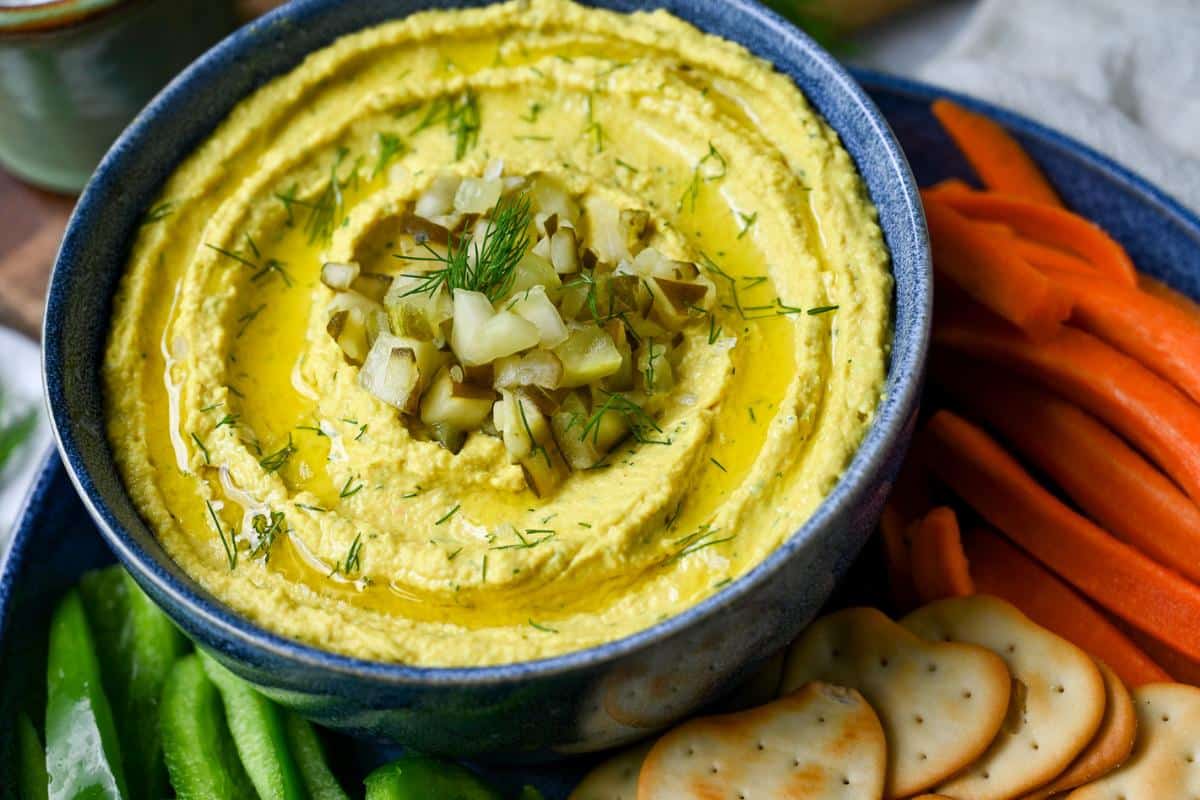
(1121, 75)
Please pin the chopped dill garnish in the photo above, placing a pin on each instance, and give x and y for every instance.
(640, 422)
(245, 319)
(525, 543)
(361, 431)
(585, 525)
(461, 115)
(748, 221)
(721, 583)
(347, 491)
(159, 212)
(543, 628)
(229, 419)
(754, 280)
(454, 555)
(203, 449)
(718, 464)
(753, 418)
(307, 507)
(211, 407)
(491, 267)
(325, 212)
(275, 461)
(446, 517)
(267, 529)
(714, 330)
(272, 266)
(391, 147)
(535, 111)
(232, 255)
(311, 429)
(228, 544)
(531, 138)
(535, 446)
(594, 128)
(812, 312)
(627, 166)
(253, 247)
(654, 352)
(713, 167)
(288, 199)
(699, 539)
(483, 570)
(352, 562)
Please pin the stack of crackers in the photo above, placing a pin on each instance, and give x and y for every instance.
(964, 699)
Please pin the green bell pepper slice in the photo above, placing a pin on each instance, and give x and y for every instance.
(83, 755)
(421, 778)
(197, 748)
(310, 758)
(137, 645)
(31, 770)
(258, 732)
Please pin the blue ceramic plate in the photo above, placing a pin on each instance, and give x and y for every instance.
(56, 539)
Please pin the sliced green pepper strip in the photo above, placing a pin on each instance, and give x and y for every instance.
(83, 756)
(31, 777)
(137, 645)
(421, 778)
(198, 750)
(310, 758)
(257, 727)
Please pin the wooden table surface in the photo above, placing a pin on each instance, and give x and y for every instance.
(34, 219)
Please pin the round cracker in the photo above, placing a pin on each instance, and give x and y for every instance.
(1110, 746)
(616, 778)
(1165, 762)
(1057, 703)
(822, 742)
(941, 704)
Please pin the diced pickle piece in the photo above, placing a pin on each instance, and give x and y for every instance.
(535, 306)
(674, 301)
(605, 234)
(533, 270)
(416, 313)
(339, 276)
(348, 327)
(551, 198)
(437, 201)
(372, 285)
(477, 195)
(622, 379)
(529, 441)
(587, 356)
(451, 408)
(564, 253)
(634, 224)
(536, 368)
(481, 335)
(390, 373)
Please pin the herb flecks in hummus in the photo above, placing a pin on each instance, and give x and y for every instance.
(376, 499)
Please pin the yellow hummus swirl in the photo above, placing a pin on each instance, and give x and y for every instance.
(304, 503)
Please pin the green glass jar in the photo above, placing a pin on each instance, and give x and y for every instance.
(73, 73)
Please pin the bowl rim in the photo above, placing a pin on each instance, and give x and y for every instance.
(237, 635)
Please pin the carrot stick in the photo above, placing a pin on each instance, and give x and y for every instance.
(1053, 226)
(1157, 288)
(997, 158)
(1152, 414)
(1001, 569)
(981, 263)
(950, 185)
(1044, 257)
(1105, 477)
(907, 503)
(1149, 596)
(1179, 666)
(1155, 332)
(939, 566)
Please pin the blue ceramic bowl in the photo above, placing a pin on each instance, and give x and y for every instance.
(533, 709)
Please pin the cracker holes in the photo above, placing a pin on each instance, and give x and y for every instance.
(922, 757)
(691, 752)
(845, 781)
(1166, 717)
(1012, 648)
(987, 775)
(821, 719)
(1060, 689)
(919, 719)
(931, 668)
(713, 769)
(967, 694)
(1036, 746)
(883, 663)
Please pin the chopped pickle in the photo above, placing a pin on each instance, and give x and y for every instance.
(588, 355)
(550, 198)
(654, 367)
(415, 313)
(564, 251)
(534, 270)
(535, 306)
(372, 285)
(339, 277)
(477, 195)
(535, 368)
(675, 300)
(390, 373)
(451, 407)
(622, 379)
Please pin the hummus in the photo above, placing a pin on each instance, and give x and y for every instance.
(294, 495)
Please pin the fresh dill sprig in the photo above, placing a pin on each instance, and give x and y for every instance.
(325, 212)
(488, 265)
(203, 449)
(270, 267)
(350, 492)
(525, 542)
(640, 422)
(229, 545)
(353, 561)
(245, 319)
(391, 147)
(748, 221)
(461, 115)
(544, 628)
(446, 517)
(699, 539)
(712, 167)
(275, 461)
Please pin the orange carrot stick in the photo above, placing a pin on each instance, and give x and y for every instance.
(997, 158)
(939, 566)
(1044, 257)
(1155, 332)
(1149, 596)
(981, 263)
(950, 185)
(1105, 477)
(1001, 569)
(908, 502)
(1053, 226)
(1152, 414)
(1179, 666)
(1181, 301)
